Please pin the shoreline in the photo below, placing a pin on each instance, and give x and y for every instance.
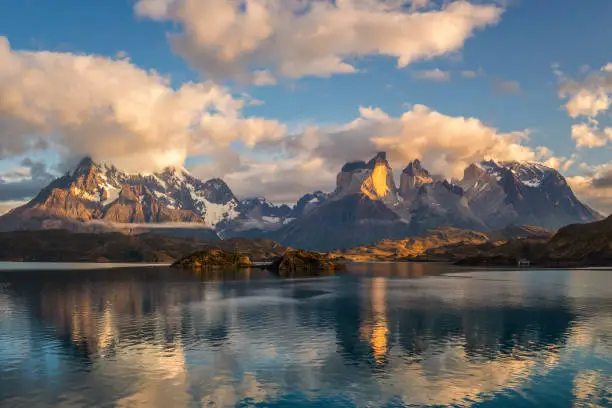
(16, 266)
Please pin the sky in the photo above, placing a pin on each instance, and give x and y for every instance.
(275, 95)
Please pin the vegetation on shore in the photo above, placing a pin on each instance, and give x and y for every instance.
(306, 262)
(214, 258)
(572, 246)
(576, 245)
(293, 262)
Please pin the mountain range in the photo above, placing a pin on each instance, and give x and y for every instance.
(365, 207)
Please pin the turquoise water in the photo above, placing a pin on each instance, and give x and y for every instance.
(383, 335)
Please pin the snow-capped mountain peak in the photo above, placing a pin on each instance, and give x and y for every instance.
(530, 174)
(173, 190)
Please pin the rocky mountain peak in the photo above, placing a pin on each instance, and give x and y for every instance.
(85, 166)
(412, 178)
(373, 179)
(473, 172)
(415, 168)
(353, 166)
(217, 191)
(379, 159)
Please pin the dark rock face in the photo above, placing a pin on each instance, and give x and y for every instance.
(259, 207)
(217, 191)
(522, 193)
(342, 223)
(412, 178)
(439, 204)
(308, 202)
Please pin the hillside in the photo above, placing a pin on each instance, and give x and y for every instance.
(442, 244)
(65, 246)
(574, 245)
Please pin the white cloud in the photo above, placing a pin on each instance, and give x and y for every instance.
(588, 97)
(282, 180)
(115, 111)
(296, 38)
(589, 135)
(432, 75)
(595, 187)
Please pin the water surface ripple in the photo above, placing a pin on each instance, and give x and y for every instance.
(382, 335)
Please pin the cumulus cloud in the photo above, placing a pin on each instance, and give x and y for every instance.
(283, 180)
(433, 75)
(311, 159)
(595, 187)
(588, 97)
(296, 38)
(589, 135)
(114, 111)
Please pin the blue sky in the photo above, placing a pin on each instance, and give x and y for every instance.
(522, 47)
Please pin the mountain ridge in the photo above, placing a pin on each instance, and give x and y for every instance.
(366, 205)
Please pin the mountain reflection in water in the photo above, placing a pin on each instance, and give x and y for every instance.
(159, 338)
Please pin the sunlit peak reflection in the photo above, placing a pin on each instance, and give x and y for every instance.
(376, 329)
(107, 335)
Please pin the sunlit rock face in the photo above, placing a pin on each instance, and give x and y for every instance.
(373, 179)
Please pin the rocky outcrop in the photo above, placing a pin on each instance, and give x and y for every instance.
(210, 258)
(297, 262)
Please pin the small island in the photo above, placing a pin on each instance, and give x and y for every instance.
(293, 262)
(306, 263)
(213, 258)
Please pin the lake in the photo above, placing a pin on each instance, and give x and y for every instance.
(380, 335)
